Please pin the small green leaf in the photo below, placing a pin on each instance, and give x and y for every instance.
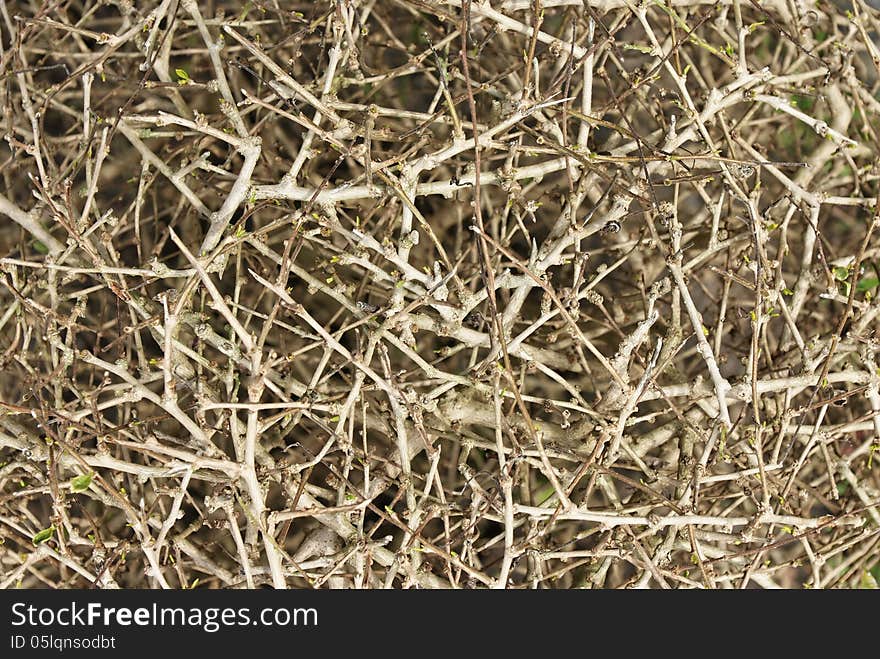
(40, 247)
(755, 26)
(182, 76)
(841, 273)
(43, 535)
(642, 49)
(81, 483)
(868, 284)
(868, 582)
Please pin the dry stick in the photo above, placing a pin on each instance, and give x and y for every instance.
(716, 102)
(287, 190)
(173, 514)
(29, 224)
(606, 6)
(841, 117)
(873, 394)
(248, 147)
(505, 470)
(558, 303)
(255, 388)
(239, 545)
(343, 125)
(488, 269)
(844, 318)
(722, 386)
(399, 413)
(93, 176)
(228, 105)
(220, 220)
(820, 127)
(100, 269)
(138, 390)
(633, 399)
(162, 167)
(537, 20)
(136, 521)
(612, 520)
(305, 152)
(485, 10)
(340, 523)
